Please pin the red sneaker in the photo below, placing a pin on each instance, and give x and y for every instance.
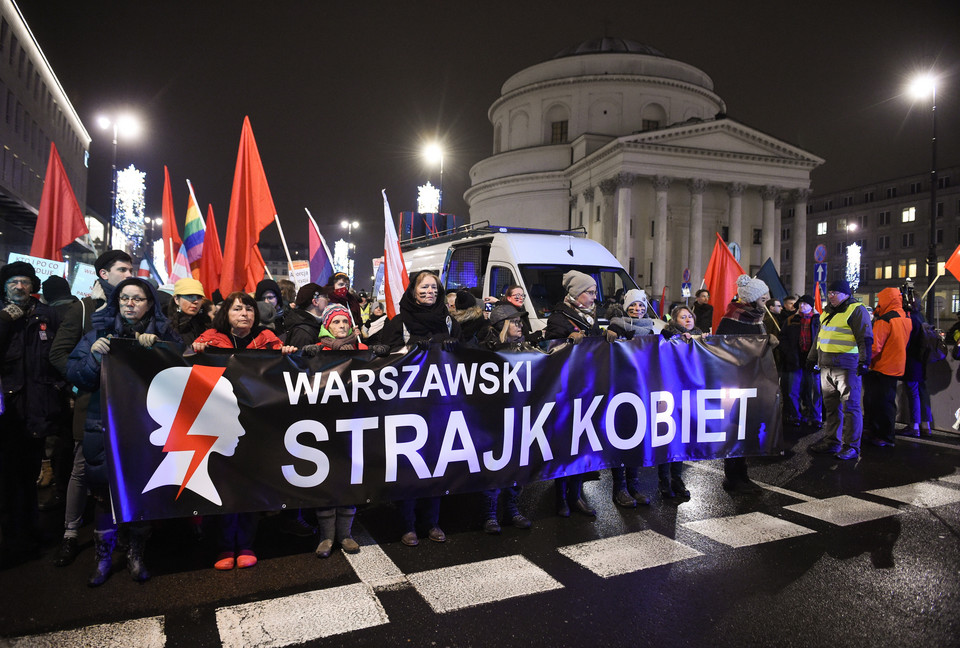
(246, 559)
(225, 561)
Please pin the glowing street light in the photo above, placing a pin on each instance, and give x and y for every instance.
(129, 127)
(923, 86)
(434, 154)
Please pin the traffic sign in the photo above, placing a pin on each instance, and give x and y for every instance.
(686, 275)
(820, 272)
(685, 289)
(820, 253)
(734, 250)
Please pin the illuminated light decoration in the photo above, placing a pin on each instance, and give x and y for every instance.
(157, 254)
(130, 205)
(341, 259)
(428, 199)
(853, 266)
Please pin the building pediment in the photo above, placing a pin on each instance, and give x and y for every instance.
(723, 137)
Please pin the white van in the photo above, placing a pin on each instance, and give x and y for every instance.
(492, 257)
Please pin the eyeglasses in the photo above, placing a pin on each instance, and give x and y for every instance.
(591, 292)
(518, 296)
(191, 298)
(132, 300)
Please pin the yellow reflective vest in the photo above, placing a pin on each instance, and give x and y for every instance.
(836, 336)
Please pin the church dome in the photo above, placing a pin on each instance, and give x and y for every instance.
(607, 45)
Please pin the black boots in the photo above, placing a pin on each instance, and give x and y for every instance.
(104, 542)
(490, 524)
(135, 565)
(563, 507)
(67, 552)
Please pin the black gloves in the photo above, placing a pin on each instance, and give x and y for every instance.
(862, 369)
(813, 366)
(310, 350)
(379, 350)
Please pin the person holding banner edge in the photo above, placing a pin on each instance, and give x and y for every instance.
(237, 326)
(133, 311)
(423, 319)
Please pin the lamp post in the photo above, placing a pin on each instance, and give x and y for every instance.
(128, 127)
(349, 226)
(433, 153)
(921, 87)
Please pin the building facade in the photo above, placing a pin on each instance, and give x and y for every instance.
(34, 110)
(636, 148)
(890, 220)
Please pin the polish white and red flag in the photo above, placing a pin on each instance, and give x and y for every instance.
(395, 277)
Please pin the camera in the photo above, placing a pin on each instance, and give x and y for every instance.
(488, 306)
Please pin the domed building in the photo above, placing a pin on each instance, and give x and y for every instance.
(614, 136)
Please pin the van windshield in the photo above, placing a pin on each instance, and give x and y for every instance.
(544, 284)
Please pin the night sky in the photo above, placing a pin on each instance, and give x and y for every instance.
(342, 96)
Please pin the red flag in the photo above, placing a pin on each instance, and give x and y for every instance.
(211, 261)
(663, 302)
(395, 278)
(251, 210)
(953, 263)
(169, 233)
(721, 279)
(59, 220)
(817, 301)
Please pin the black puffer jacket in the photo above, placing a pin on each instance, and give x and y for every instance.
(417, 322)
(565, 319)
(83, 368)
(302, 328)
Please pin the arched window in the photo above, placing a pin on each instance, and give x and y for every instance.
(652, 117)
(555, 124)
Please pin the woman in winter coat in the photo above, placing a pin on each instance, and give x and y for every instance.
(134, 312)
(422, 320)
(574, 319)
(683, 323)
(338, 289)
(374, 325)
(336, 522)
(268, 291)
(237, 326)
(743, 317)
(469, 314)
(185, 311)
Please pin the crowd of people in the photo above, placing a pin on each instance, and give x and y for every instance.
(52, 349)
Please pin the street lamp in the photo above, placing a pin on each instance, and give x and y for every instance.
(434, 154)
(852, 274)
(128, 127)
(921, 87)
(349, 226)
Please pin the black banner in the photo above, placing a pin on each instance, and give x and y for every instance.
(250, 431)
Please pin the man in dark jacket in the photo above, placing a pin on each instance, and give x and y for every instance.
(35, 400)
(112, 267)
(703, 311)
(842, 352)
(803, 402)
(303, 322)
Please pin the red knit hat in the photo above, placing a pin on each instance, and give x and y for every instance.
(332, 311)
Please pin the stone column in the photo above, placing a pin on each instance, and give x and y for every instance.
(574, 207)
(587, 203)
(660, 252)
(624, 242)
(778, 225)
(608, 229)
(798, 242)
(697, 186)
(768, 194)
(735, 191)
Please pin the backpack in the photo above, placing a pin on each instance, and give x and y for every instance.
(934, 347)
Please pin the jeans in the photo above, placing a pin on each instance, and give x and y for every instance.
(880, 397)
(76, 494)
(430, 510)
(919, 399)
(842, 409)
(802, 396)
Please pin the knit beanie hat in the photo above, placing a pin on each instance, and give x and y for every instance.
(840, 286)
(19, 269)
(750, 290)
(503, 313)
(267, 313)
(332, 311)
(576, 282)
(465, 300)
(55, 288)
(635, 295)
(806, 299)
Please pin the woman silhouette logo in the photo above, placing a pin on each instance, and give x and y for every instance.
(198, 414)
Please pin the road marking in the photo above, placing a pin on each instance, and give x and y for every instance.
(843, 510)
(300, 618)
(747, 529)
(628, 553)
(373, 566)
(953, 478)
(922, 494)
(700, 465)
(462, 586)
(143, 633)
(939, 444)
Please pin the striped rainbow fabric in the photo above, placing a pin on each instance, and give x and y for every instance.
(194, 230)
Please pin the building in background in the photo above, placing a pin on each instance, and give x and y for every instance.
(615, 137)
(34, 110)
(891, 222)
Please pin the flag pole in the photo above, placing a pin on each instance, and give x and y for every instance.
(930, 287)
(283, 240)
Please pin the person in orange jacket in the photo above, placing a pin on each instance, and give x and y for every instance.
(891, 332)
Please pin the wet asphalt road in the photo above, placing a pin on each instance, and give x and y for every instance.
(788, 567)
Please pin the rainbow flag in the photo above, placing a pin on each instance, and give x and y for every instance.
(181, 268)
(194, 230)
(321, 261)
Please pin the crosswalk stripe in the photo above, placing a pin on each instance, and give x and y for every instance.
(701, 465)
(922, 494)
(462, 586)
(747, 529)
(143, 633)
(627, 553)
(373, 566)
(843, 510)
(300, 618)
